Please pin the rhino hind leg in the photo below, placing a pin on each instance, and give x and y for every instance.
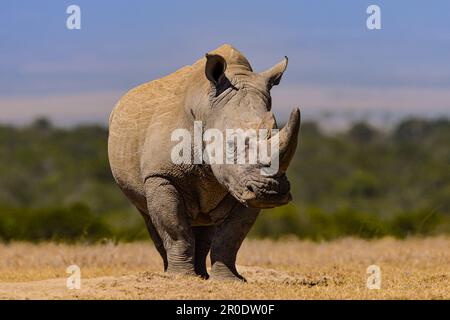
(140, 203)
(227, 240)
(167, 215)
(203, 239)
(159, 245)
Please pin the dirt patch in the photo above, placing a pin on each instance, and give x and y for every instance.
(411, 269)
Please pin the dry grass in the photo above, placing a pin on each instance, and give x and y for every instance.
(290, 269)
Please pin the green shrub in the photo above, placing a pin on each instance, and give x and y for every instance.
(71, 223)
(316, 224)
(421, 222)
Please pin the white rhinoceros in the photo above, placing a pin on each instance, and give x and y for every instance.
(191, 209)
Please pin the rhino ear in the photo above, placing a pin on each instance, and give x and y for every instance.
(215, 68)
(274, 74)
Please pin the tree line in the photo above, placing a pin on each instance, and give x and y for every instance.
(55, 184)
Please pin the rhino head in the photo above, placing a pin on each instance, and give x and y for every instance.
(237, 97)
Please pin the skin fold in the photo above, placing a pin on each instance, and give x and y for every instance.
(193, 209)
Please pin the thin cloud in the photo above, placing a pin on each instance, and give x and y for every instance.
(95, 107)
(62, 109)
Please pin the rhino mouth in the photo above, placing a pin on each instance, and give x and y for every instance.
(265, 192)
(269, 192)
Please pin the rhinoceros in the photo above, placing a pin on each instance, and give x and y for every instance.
(193, 209)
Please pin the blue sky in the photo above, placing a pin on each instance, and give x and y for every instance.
(336, 64)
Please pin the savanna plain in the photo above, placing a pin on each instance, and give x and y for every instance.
(414, 268)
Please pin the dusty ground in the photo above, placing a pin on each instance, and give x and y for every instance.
(291, 269)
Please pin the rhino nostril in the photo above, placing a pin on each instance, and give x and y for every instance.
(250, 188)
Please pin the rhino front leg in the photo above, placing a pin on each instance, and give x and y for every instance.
(203, 238)
(227, 240)
(166, 211)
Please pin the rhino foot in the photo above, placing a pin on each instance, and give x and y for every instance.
(188, 271)
(220, 271)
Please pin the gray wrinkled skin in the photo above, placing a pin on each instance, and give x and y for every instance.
(193, 209)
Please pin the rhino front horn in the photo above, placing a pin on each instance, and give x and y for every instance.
(288, 138)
